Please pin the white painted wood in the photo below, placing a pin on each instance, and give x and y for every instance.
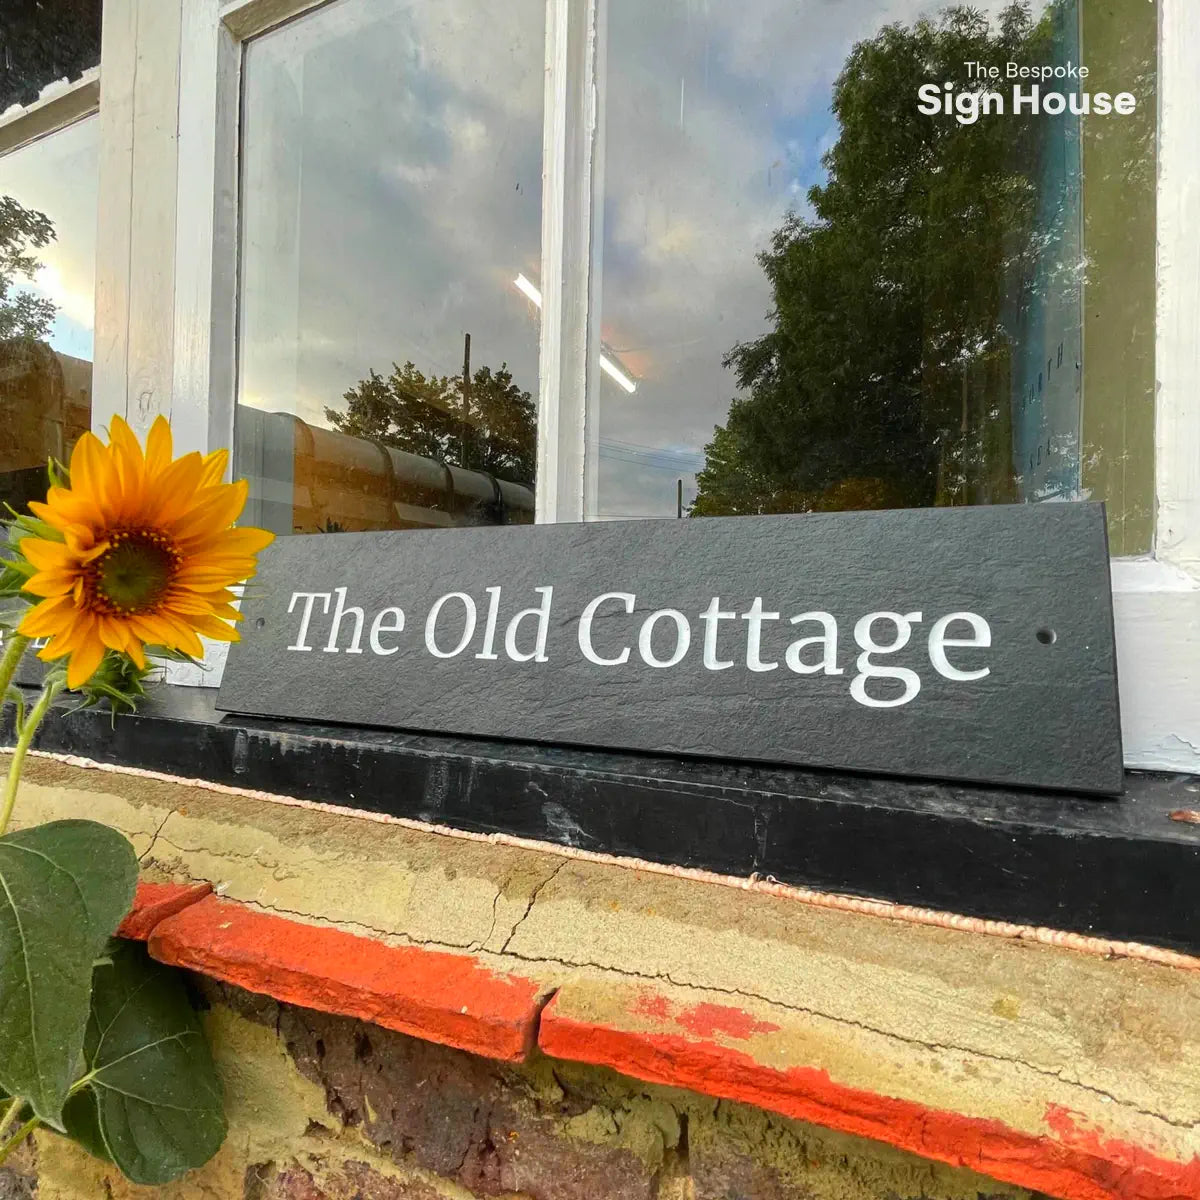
(568, 147)
(135, 249)
(118, 53)
(152, 259)
(1177, 534)
(248, 18)
(59, 105)
(1157, 609)
(203, 379)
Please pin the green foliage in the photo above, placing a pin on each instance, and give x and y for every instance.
(493, 428)
(64, 888)
(889, 297)
(96, 1041)
(22, 315)
(120, 683)
(151, 1102)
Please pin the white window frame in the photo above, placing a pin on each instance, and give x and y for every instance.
(188, 54)
(58, 105)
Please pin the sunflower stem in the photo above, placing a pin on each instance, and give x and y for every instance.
(10, 1113)
(17, 1138)
(24, 741)
(14, 650)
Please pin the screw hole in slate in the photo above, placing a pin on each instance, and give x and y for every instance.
(1047, 637)
(261, 621)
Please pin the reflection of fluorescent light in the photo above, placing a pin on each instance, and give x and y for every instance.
(607, 365)
(523, 285)
(615, 372)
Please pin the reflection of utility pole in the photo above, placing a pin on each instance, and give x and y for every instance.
(679, 498)
(466, 400)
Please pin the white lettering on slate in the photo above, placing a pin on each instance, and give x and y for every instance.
(453, 619)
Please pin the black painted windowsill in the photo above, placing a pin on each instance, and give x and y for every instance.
(1116, 868)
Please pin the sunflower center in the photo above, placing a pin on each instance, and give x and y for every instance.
(133, 574)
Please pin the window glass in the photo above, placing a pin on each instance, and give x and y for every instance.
(44, 41)
(47, 283)
(391, 240)
(816, 296)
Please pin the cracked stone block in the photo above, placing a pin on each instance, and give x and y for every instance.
(350, 1181)
(448, 1112)
(525, 1154)
(16, 1185)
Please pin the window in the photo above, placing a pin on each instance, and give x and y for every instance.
(804, 292)
(48, 195)
(390, 223)
(815, 296)
(671, 144)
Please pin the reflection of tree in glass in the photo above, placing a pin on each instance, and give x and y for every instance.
(494, 431)
(23, 315)
(885, 380)
(33, 412)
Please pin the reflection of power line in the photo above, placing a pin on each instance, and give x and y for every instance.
(657, 457)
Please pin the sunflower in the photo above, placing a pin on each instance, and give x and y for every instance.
(145, 554)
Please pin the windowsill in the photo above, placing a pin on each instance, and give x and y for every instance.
(968, 1043)
(1119, 868)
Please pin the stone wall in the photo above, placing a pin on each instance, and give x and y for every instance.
(328, 1108)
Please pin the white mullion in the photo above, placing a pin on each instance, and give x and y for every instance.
(1157, 601)
(568, 145)
(1177, 449)
(598, 31)
(206, 231)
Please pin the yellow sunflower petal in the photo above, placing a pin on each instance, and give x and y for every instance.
(91, 474)
(112, 633)
(151, 629)
(216, 575)
(217, 511)
(57, 647)
(236, 543)
(64, 508)
(84, 662)
(48, 617)
(135, 651)
(158, 447)
(46, 556)
(51, 583)
(181, 637)
(214, 468)
(172, 491)
(217, 630)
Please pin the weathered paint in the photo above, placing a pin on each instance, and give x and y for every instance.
(154, 902)
(448, 998)
(1062, 1162)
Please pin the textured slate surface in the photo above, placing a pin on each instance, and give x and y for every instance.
(1045, 715)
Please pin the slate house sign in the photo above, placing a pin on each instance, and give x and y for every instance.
(972, 643)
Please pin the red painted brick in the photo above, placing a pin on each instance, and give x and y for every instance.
(1066, 1162)
(448, 998)
(154, 902)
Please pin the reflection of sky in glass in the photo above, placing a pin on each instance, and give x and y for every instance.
(391, 194)
(717, 117)
(58, 176)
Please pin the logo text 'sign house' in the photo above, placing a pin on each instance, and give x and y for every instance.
(974, 100)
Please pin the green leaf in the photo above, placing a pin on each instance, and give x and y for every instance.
(64, 888)
(152, 1101)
